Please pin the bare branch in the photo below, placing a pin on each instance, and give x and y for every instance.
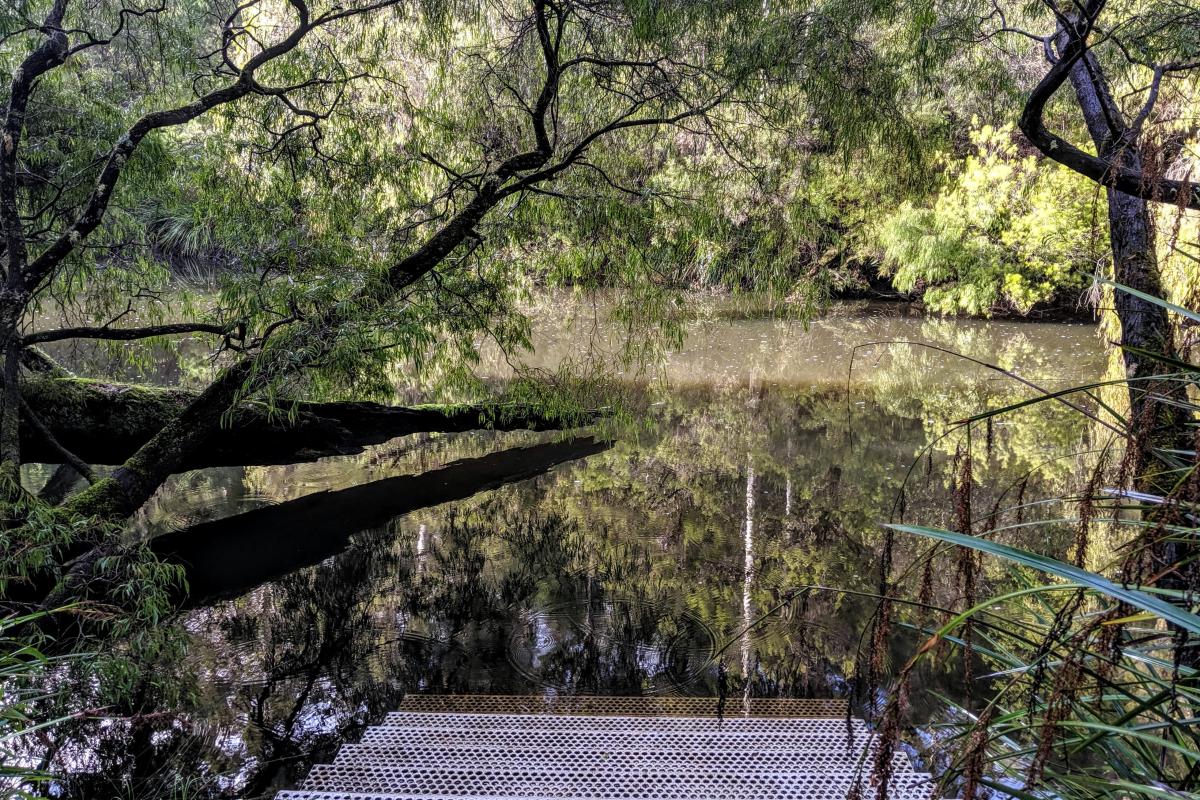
(123, 17)
(1140, 120)
(78, 464)
(125, 334)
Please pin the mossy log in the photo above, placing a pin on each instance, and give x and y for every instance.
(105, 423)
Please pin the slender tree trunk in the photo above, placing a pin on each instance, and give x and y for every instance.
(748, 584)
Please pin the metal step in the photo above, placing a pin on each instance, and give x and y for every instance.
(623, 706)
(816, 726)
(682, 761)
(395, 736)
(593, 782)
(597, 748)
(304, 794)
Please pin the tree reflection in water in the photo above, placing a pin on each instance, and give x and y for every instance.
(672, 562)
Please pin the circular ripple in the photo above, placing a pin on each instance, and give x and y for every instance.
(618, 646)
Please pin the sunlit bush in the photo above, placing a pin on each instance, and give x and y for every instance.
(1009, 232)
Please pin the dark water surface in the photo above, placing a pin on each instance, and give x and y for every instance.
(730, 544)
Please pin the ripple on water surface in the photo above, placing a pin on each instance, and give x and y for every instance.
(611, 647)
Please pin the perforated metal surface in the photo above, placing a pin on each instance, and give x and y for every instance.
(649, 784)
(832, 793)
(677, 761)
(920, 792)
(822, 726)
(605, 740)
(622, 706)
(510, 752)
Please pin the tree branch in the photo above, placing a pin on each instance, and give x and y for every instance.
(45, 57)
(1105, 171)
(131, 333)
(78, 464)
(308, 342)
(97, 203)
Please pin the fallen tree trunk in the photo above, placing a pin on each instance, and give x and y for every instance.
(105, 423)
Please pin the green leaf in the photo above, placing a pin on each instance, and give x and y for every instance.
(1173, 614)
(1184, 366)
(1158, 301)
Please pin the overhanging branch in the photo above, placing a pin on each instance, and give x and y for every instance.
(146, 332)
(243, 84)
(1105, 171)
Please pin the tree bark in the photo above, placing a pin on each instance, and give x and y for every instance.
(1144, 325)
(1108, 167)
(106, 423)
(1156, 419)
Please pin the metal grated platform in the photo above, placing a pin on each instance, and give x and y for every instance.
(533, 748)
(677, 761)
(631, 724)
(593, 706)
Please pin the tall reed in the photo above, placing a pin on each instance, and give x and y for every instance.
(1091, 679)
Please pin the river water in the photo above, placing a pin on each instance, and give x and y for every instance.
(728, 544)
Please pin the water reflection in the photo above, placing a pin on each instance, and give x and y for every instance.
(726, 348)
(674, 562)
(278, 539)
(605, 645)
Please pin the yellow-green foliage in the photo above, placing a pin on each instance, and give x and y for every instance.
(1008, 232)
(1179, 238)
